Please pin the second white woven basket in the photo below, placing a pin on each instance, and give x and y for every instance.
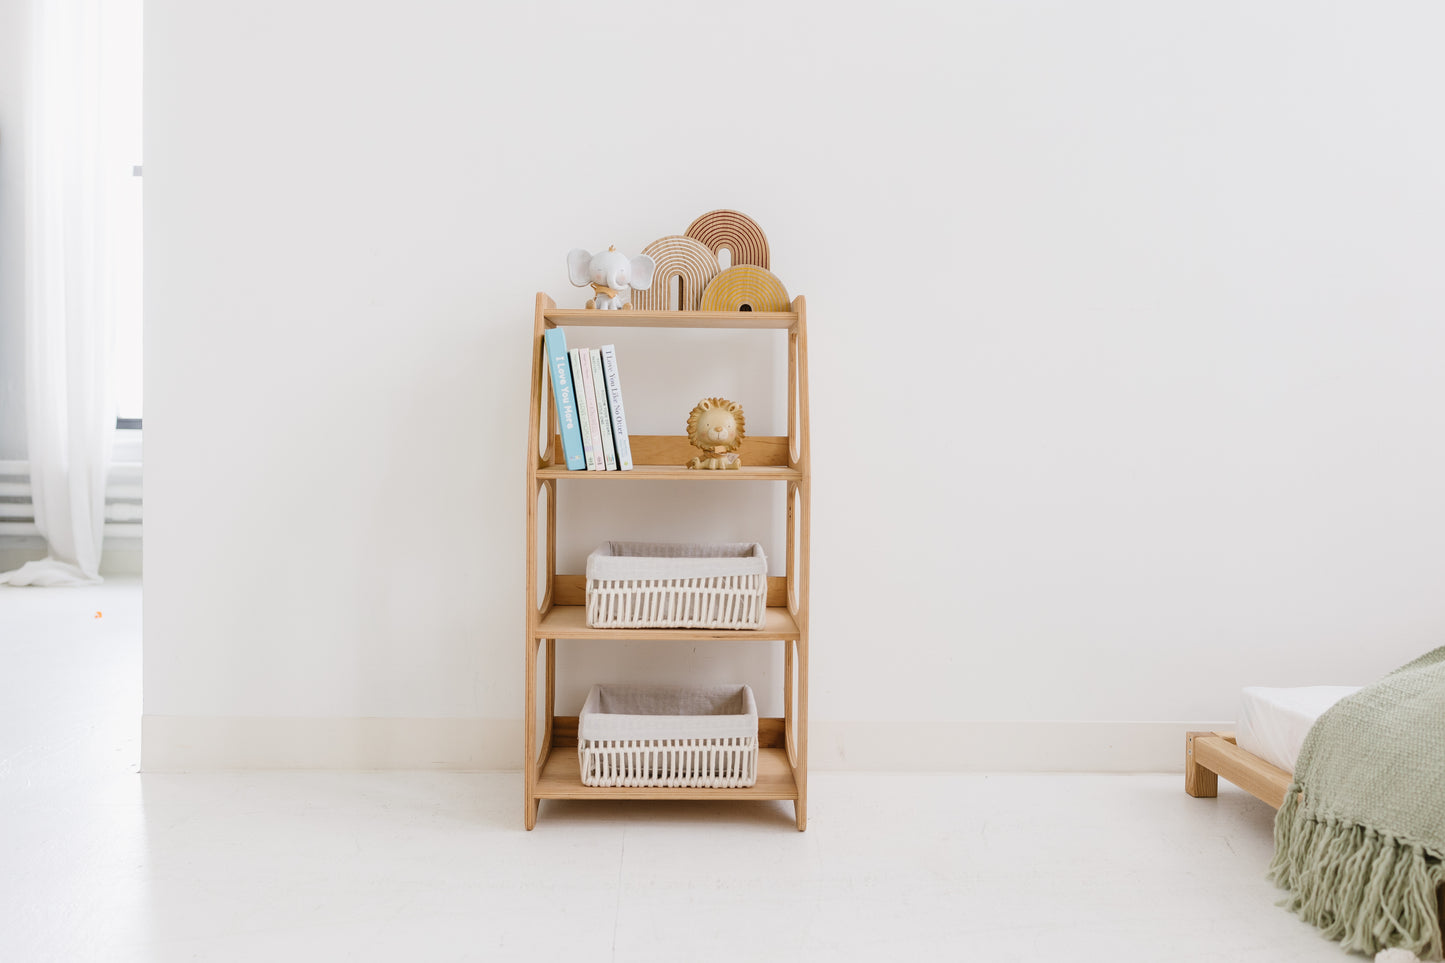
(676, 736)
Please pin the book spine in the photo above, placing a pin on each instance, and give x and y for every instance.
(599, 382)
(619, 417)
(568, 424)
(583, 425)
(585, 359)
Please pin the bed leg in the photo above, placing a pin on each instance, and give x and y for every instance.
(1198, 781)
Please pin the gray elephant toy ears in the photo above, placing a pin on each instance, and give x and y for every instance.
(580, 262)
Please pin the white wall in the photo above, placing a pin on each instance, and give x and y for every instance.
(14, 24)
(1126, 325)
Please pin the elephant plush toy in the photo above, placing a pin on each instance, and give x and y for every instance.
(612, 276)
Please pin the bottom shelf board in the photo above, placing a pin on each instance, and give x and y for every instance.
(562, 779)
(570, 622)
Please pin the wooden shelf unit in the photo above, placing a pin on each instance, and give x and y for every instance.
(561, 613)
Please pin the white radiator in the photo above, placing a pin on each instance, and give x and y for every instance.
(122, 501)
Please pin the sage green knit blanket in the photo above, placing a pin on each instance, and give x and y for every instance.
(1360, 839)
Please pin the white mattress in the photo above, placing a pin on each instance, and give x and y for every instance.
(1273, 722)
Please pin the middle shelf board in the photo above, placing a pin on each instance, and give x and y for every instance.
(674, 473)
(663, 457)
(570, 622)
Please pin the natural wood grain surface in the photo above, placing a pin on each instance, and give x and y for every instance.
(745, 287)
(677, 256)
(570, 622)
(756, 451)
(572, 590)
(799, 578)
(642, 473)
(561, 779)
(564, 732)
(674, 451)
(1217, 753)
(744, 237)
(581, 317)
(1198, 781)
(530, 751)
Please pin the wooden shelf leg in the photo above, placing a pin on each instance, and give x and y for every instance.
(1198, 781)
(550, 705)
(539, 412)
(529, 747)
(789, 713)
(800, 774)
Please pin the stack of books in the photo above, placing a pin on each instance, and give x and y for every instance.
(588, 393)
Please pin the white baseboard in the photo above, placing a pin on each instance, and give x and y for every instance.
(1003, 746)
(186, 743)
(124, 559)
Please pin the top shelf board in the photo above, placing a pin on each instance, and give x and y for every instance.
(583, 317)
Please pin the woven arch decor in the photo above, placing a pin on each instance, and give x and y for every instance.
(745, 287)
(740, 234)
(685, 258)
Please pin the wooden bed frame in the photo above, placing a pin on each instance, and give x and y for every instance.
(1209, 755)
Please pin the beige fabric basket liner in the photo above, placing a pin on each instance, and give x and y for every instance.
(617, 712)
(620, 561)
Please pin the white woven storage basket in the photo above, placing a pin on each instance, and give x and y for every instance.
(656, 585)
(675, 736)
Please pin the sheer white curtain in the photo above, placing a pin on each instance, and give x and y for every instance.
(76, 190)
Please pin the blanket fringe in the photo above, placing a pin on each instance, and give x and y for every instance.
(1367, 889)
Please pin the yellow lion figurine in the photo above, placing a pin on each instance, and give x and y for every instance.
(716, 426)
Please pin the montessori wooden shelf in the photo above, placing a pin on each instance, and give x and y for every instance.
(551, 765)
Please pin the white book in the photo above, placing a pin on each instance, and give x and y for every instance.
(614, 398)
(584, 358)
(584, 402)
(609, 454)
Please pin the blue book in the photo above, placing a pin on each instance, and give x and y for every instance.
(566, 398)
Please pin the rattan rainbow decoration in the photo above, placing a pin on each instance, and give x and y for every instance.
(740, 234)
(682, 257)
(745, 287)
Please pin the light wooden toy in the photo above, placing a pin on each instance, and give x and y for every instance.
(685, 258)
(745, 288)
(740, 234)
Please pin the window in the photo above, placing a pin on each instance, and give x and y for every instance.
(121, 55)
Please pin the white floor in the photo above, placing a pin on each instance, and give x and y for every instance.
(100, 863)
